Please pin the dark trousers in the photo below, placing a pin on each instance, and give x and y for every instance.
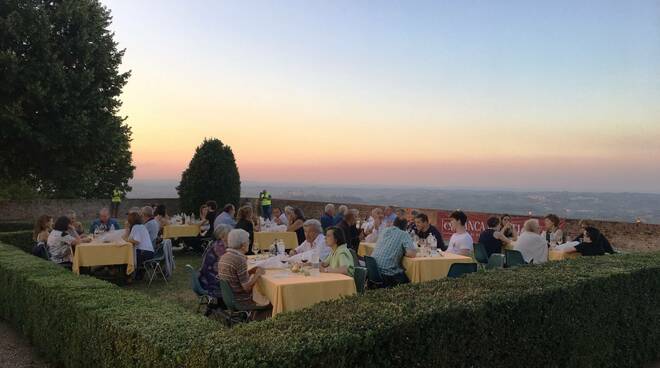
(142, 255)
(394, 280)
(267, 211)
(114, 209)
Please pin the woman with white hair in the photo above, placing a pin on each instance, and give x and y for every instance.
(209, 271)
(233, 268)
(314, 239)
(531, 244)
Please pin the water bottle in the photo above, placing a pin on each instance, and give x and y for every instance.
(281, 248)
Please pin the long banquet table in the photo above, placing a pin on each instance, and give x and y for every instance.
(104, 254)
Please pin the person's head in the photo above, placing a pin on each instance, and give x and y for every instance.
(335, 236)
(71, 214)
(239, 240)
(590, 234)
(104, 215)
(43, 223)
(312, 229)
(203, 209)
(133, 218)
(211, 205)
(62, 224)
(584, 224)
(222, 232)
(134, 210)
(400, 224)
(493, 222)
(298, 214)
(414, 213)
(551, 221)
(458, 220)
(422, 222)
(343, 210)
(245, 213)
(532, 226)
(330, 209)
(229, 208)
(277, 212)
(401, 213)
(377, 213)
(355, 212)
(350, 218)
(288, 210)
(161, 210)
(505, 219)
(388, 210)
(147, 213)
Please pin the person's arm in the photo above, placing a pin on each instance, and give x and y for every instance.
(257, 272)
(569, 250)
(295, 225)
(409, 247)
(499, 236)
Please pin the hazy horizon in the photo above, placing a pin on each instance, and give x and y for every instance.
(554, 95)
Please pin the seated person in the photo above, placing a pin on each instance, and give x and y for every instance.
(328, 217)
(531, 244)
(587, 246)
(138, 235)
(341, 213)
(77, 225)
(42, 229)
(209, 270)
(389, 215)
(601, 239)
(232, 268)
(226, 217)
(425, 230)
(393, 244)
(104, 223)
(204, 225)
(151, 224)
(349, 226)
(461, 241)
(492, 238)
(160, 213)
(245, 222)
(340, 259)
(279, 217)
(296, 222)
(412, 227)
(507, 227)
(375, 225)
(61, 242)
(314, 239)
(553, 235)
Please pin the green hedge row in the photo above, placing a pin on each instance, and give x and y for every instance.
(21, 239)
(15, 226)
(587, 312)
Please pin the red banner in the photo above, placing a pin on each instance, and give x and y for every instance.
(477, 223)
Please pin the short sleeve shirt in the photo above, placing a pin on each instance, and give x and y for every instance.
(233, 269)
(390, 249)
(59, 246)
(140, 234)
(153, 228)
(460, 242)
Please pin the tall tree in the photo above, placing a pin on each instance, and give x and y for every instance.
(59, 99)
(211, 175)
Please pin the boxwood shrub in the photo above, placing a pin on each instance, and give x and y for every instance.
(15, 226)
(587, 312)
(21, 239)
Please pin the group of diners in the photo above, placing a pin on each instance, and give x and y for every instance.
(56, 239)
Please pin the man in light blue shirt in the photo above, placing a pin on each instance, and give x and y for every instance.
(393, 244)
(104, 223)
(150, 223)
(226, 217)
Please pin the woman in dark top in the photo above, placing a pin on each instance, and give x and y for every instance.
(507, 227)
(245, 223)
(296, 224)
(599, 237)
(587, 246)
(351, 233)
(492, 238)
(211, 213)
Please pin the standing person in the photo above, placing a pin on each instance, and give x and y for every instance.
(531, 244)
(138, 235)
(393, 244)
(460, 242)
(245, 223)
(42, 229)
(507, 227)
(425, 230)
(266, 204)
(104, 222)
(492, 238)
(553, 234)
(116, 201)
(328, 217)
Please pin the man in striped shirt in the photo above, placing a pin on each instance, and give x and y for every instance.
(393, 244)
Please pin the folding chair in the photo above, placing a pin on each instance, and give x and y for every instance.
(460, 269)
(480, 254)
(513, 258)
(236, 313)
(153, 266)
(375, 279)
(496, 260)
(360, 277)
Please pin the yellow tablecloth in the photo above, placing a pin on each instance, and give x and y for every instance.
(180, 231)
(263, 240)
(422, 269)
(553, 255)
(365, 249)
(288, 292)
(104, 254)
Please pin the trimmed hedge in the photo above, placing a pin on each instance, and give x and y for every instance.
(15, 226)
(591, 311)
(21, 239)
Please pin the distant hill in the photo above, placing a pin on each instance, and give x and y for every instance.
(626, 207)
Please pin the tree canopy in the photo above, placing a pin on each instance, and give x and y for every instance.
(211, 175)
(61, 134)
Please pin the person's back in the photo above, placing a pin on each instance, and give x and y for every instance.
(532, 246)
(390, 250)
(492, 244)
(327, 221)
(232, 268)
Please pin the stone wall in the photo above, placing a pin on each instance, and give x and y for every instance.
(625, 236)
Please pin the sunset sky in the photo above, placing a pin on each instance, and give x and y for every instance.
(561, 95)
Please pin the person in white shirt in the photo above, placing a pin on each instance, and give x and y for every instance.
(460, 242)
(314, 239)
(375, 225)
(138, 235)
(531, 244)
(279, 217)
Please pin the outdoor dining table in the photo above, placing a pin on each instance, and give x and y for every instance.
(288, 291)
(104, 254)
(263, 240)
(553, 254)
(180, 231)
(365, 249)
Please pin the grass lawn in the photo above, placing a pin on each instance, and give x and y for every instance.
(177, 289)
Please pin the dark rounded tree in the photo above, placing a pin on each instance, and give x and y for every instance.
(211, 175)
(61, 134)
